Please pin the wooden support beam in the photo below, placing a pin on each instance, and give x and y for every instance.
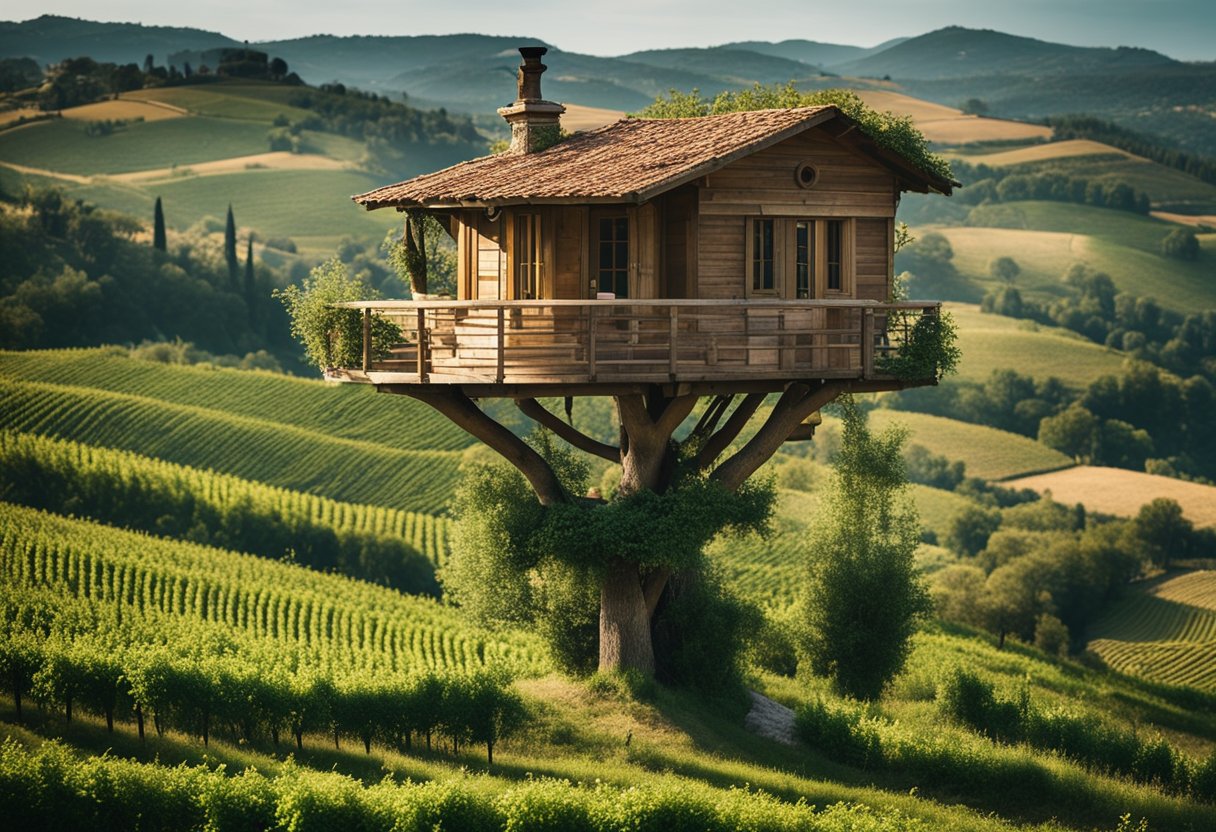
(461, 410)
(720, 441)
(538, 413)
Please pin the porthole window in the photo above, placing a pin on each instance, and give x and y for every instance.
(805, 175)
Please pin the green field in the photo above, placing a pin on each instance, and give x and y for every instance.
(62, 145)
(988, 453)
(1045, 238)
(1165, 630)
(256, 449)
(994, 342)
(349, 411)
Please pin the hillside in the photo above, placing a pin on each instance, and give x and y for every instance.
(1121, 492)
(1165, 631)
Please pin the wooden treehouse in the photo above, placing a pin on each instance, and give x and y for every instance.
(657, 262)
(719, 255)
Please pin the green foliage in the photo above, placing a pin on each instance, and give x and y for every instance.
(384, 546)
(1162, 531)
(928, 352)
(333, 336)
(1181, 243)
(970, 529)
(893, 132)
(972, 701)
(863, 598)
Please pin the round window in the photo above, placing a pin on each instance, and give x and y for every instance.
(805, 175)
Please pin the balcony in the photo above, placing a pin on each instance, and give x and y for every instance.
(586, 347)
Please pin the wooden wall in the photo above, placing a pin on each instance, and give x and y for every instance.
(848, 185)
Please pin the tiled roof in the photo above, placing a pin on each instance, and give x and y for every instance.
(629, 161)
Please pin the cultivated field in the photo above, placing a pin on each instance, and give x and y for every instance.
(1165, 631)
(947, 125)
(992, 342)
(1121, 492)
(124, 110)
(1046, 152)
(578, 118)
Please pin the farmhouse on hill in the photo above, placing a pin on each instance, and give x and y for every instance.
(727, 253)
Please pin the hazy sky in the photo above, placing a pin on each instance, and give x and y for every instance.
(1184, 29)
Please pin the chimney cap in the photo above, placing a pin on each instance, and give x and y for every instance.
(533, 51)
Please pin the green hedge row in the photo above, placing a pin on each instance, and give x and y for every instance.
(86, 664)
(49, 789)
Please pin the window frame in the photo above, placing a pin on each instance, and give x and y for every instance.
(785, 258)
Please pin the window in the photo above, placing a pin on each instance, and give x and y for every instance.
(763, 271)
(797, 258)
(614, 256)
(804, 257)
(527, 256)
(835, 261)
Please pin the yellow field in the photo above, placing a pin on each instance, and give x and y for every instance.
(578, 118)
(278, 160)
(950, 126)
(9, 116)
(50, 174)
(125, 109)
(1047, 152)
(1197, 220)
(1121, 492)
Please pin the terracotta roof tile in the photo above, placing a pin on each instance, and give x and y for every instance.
(630, 160)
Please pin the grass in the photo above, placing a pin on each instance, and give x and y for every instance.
(257, 449)
(1121, 492)
(1045, 238)
(295, 203)
(988, 453)
(991, 342)
(63, 145)
(1164, 630)
(947, 125)
(230, 100)
(352, 412)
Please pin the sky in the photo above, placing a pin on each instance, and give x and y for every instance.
(1184, 29)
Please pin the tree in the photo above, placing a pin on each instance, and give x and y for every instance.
(230, 250)
(864, 597)
(970, 529)
(158, 227)
(1075, 431)
(1181, 243)
(1162, 530)
(250, 280)
(1004, 269)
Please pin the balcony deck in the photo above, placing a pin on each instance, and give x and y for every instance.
(581, 347)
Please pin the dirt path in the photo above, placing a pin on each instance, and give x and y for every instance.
(770, 719)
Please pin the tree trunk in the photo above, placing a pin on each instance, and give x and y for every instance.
(1000, 645)
(299, 740)
(109, 720)
(624, 621)
(367, 744)
(17, 700)
(68, 707)
(489, 753)
(139, 721)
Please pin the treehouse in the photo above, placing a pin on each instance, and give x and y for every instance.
(719, 255)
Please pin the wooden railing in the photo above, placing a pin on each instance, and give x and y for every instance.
(575, 341)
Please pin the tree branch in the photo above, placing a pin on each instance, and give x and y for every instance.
(460, 409)
(720, 441)
(675, 413)
(797, 402)
(538, 413)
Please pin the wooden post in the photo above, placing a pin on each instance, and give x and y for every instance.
(673, 338)
(502, 343)
(867, 343)
(367, 339)
(591, 310)
(421, 346)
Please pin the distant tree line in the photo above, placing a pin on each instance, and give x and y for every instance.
(1002, 184)
(76, 275)
(1150, 147)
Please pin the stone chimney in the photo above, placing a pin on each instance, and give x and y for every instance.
(535, 123)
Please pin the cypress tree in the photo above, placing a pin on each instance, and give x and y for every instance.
(250, 281)
(158, 228)
(230, 250)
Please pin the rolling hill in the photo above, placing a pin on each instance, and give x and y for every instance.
(1121, 492)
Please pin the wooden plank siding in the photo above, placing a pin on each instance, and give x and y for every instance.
(872, 258)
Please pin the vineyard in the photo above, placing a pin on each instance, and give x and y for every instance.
(281, 455)
(1166, 632)
(350, 412)
(311, 620)
(137, 492)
